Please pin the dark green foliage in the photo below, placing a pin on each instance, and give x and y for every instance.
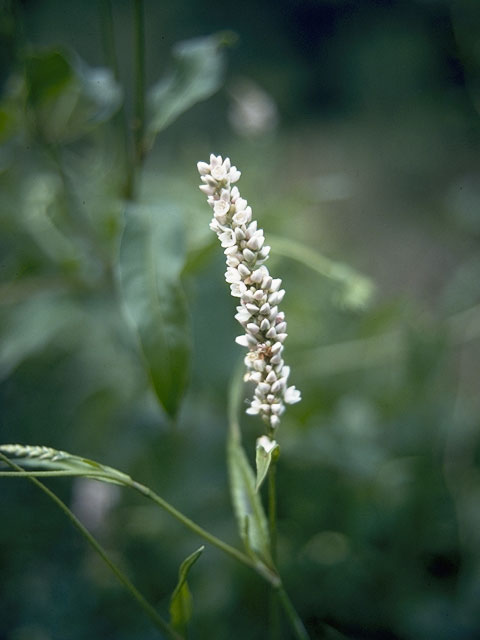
(114, 316)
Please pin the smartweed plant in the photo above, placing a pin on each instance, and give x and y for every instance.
(63, 101)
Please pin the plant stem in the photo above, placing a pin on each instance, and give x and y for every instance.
(139, 123)
(274, 627)
(260, 568)
(134, 592)
(293, 617)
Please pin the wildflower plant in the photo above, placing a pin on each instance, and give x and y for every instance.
(259, 294)
(147, 258)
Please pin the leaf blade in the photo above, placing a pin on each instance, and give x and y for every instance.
(151, 258)
(181, 600)
(197, 73)
(249, 512)
(27, 456)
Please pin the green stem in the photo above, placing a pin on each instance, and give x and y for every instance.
(293, 617)
(272, 508)
(120, 119)
(274, 627)
(259, 567)
(139, 128)
(134, 592)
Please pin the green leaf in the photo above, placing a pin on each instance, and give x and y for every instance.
(151, 259)
(197, 73)
(68, 98)
(181, 600)
(356, 289)
(251, 520)
(263, 459)
(47, 459)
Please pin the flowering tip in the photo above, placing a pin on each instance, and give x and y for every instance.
(259, 294)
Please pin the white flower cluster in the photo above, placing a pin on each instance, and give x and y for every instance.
(259, 293)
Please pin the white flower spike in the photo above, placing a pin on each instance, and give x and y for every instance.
(259, 294)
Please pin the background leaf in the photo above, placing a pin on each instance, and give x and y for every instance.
(196, 75)
(67, 97)
(151, 258)
(181, 600)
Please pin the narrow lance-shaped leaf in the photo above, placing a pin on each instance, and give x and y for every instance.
(45, 458)
(356, 289)
(151, 258)
(252, 523)
(181, 600)
(197, 73)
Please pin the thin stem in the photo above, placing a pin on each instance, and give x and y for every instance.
(134, 592)
(272, 508)
(274, 627)
(139, 125)
(108, 36)
(293, 617)
(260, 568)
(120, 119)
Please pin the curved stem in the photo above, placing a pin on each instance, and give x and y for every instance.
(157, 620)
(259, 567)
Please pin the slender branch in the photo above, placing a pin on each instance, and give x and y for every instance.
(134, 592)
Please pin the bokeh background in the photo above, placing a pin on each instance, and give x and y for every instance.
(356, 126)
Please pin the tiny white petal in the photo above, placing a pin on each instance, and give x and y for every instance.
(292, 395)
(277, 408)
(271, 333)
(242, 341)
(271, 378)
(252, 342)
(253, 328)
(243, 270)
(256, 242)
(232, 275)
(237, 289)
(203, 168)
(248, 255)
(276, 284)
(274, 421)
(242, 316)
(266, 444)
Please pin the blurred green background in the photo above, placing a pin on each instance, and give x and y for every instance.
(355, 124)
